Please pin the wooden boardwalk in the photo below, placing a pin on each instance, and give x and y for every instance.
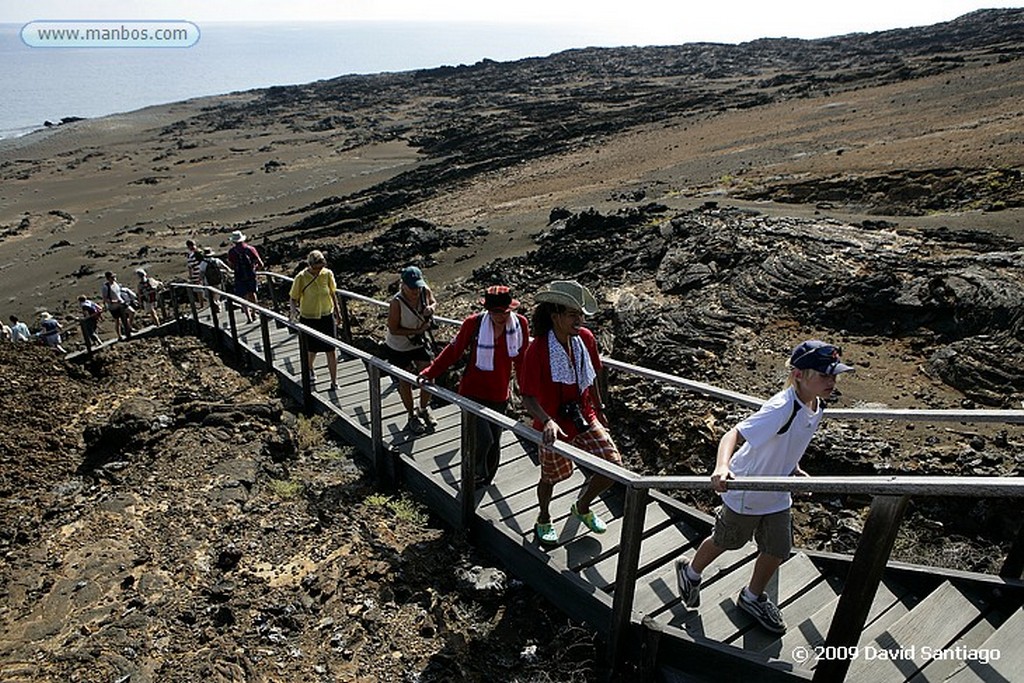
(913, 610)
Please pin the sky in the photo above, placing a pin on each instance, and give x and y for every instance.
(622, 22)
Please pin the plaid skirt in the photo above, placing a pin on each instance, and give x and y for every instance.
(596, 441)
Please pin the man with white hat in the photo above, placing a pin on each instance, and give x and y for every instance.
(560, 392)
(49, 331)
(245, 261)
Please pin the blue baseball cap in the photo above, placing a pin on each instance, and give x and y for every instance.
(814, 354)
(413, 277)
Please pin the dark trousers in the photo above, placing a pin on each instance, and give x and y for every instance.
(488, 442)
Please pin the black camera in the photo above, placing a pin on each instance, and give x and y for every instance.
(575, 413)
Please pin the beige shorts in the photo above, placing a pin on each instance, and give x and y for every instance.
(773, 533)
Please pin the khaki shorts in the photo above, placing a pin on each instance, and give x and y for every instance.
(773, 533)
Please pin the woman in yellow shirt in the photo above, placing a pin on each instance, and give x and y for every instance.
(313, 299)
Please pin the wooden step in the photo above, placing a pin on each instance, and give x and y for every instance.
(730, 570)
(720, 619)
(945, 664)
(938, 620)
(1003, 651)
(808, 633)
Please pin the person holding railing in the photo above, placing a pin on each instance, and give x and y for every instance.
(770, 443)
(407, 341)
(496, 340)
(313, 297)
(192, 259)
(92, 312)
(560, 392)
(245, 261)
(114, 300)
(49, 331)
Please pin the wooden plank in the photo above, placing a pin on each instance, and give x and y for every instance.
(810, 633)
(941, 667)
(798, 612)
(660, 594)
(862, 581)
(935, 622)
(524, 507)
(603, 573)
(664, 539)
(724, 621)
(1009, 667)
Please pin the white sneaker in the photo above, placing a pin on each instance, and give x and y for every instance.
(689, 590)
(765, 611)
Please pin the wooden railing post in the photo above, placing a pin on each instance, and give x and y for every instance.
(195, 311)
(626, 572)
(304, 370)
(177, 313)
(268, 354)
(346, 322)
(865, 573)
(85, 337)
(1013, 565)
(275, 303)
(215, 319)
(383, 468)
(233, 326)
(469, 453)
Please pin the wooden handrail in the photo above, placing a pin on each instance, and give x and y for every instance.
(903, 414)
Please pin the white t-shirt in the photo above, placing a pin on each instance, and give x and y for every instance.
(766, 453)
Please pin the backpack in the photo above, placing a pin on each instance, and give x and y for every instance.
(244, 269)
(212, 273)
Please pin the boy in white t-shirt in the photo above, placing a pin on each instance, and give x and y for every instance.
(771, 443)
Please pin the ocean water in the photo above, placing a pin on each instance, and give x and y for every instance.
(48, 83)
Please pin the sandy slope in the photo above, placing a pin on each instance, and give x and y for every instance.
(131, 189)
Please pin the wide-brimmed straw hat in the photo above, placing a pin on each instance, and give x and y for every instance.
(568, 293)
(237, 236)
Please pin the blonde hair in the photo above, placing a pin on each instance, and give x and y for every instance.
(316, 258)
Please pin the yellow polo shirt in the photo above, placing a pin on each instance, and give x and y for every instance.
(315, 293)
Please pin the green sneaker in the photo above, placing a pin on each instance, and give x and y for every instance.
(589, 520)
(546, 533)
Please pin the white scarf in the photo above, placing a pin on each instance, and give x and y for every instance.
(485, 340)
(562, 370)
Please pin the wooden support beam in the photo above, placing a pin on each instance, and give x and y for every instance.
(626, 571)
(467, 487)
(869, 560)
(1013, 565)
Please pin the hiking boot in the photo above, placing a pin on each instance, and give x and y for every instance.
(428, 417)
(546, 534)
(589, 520)
(689, 590)
(415, 426)
(765, 611)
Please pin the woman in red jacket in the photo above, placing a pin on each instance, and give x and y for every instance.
(496, 339)
(560, 392)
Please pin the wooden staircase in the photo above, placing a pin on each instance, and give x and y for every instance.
(923, 624)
